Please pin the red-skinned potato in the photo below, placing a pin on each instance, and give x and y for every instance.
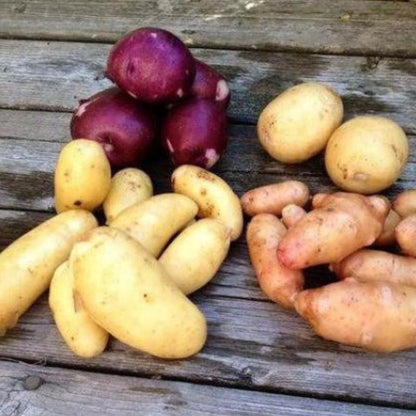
(195, 133)
(292, 214)
(387, 236)
(125, 127)
(405, 203)
(405, 234)
(209, 83)
(152, 65)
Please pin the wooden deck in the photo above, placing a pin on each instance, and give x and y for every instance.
(259, 359)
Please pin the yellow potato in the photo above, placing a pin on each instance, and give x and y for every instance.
(298, 123)
(213, 195)
(153, 222)
(366, 154)
(82, 176)
(28, 264)
(82, 335)
(378, 316)
(128, 187)
(195, 255)
(129, 294)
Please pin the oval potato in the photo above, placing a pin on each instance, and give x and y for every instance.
(129, 294)
(28, 264)
(214, 197)
(82, 176)
(405, 203)
(82, 335)
(387, 236)
(405, 234)
(154, 221)
(128, 187)
(195, 255)
(366, 154)
(298, 123)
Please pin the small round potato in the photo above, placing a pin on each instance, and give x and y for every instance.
(405, 203)
(366, 154)
(298, 123)
(128, 187)
(82, 176)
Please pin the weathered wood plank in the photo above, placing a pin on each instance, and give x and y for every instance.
(53, 75)
(251, 345)
(34, 390)
(350, 26)
(30, 142)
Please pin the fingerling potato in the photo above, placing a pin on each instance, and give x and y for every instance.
(214, 197)
(195, 255)
(128, 187)
(128, 293)
(82, 335)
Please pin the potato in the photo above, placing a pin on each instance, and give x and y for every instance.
(82, 335)
(366, 154)
(387, 236)
(405, 203)
(128, 187)
(213, 195)
(378, 316)
(370, 265)
(195, 255)
(297, 124)
(271, 199)
(405, 234)
(292, 214)
(82, 176)
(277, 282)
(128, 293)
(28, 264)
(153, 222)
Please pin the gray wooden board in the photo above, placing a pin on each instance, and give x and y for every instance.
(28, 390)
(350, 26)
(54, 75)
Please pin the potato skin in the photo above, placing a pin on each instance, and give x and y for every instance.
(405, 234)
(292, 214)
(128, 187)
(271, 199)
(82, 335)
(387, 236)
(277, 282)
(298, 123)
(82, 176)
(128, 293)
(366, 154)
(340, 224)
(214, 197)
(405, 203)
(154, 221)
(31, 261)
(375, 265)
(377, 316)
(193, 258)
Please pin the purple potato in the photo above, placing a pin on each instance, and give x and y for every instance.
(209, 83)
(152, 65)
(125, 127)
(195, 132)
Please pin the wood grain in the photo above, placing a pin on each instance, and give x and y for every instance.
(54, 75)
(326, 26)
(33, 390)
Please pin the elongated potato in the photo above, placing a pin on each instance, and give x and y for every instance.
(387, 236)
(271, 199)
(292, 214)
(129, 294)
(277, 282)
(378, 316)
(82, 176)
(128, 187)
(405, 203)
(405, 233)
(28, 264)
(195, 255)
(153, 222)
(376, 265)
(213, 195)
(82, 335)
